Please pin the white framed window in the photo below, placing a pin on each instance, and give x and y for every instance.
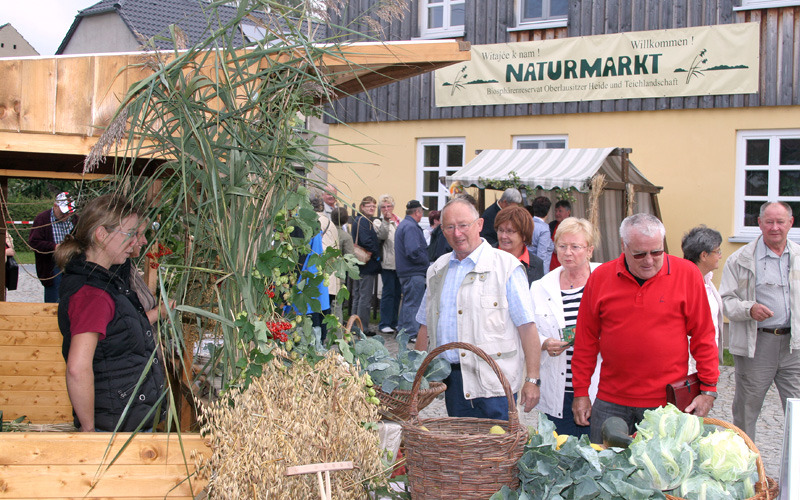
(766, 4)
(540, 141)
(767, 169)
(442, 18)
(542, 13)
(437, 158)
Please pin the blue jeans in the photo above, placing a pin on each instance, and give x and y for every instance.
(566, 424)
(390, 298)
(413, 291)
(601, 410)
(457, 406)
(51, 292)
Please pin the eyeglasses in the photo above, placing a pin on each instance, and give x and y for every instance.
(652, 253)
(132, 234)
(461, 227)
(574, 248)
(718, 251)
(506, 231)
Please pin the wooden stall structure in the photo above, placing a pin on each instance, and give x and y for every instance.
(52, 112)
(54, 109)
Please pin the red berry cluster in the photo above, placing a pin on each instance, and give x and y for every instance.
(153, 256)
(270, 292)
(278, 330)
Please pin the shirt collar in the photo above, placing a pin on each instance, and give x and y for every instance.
(762, 252)
(525, 258)
(473, 257)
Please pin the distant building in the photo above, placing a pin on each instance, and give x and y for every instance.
(12, 44)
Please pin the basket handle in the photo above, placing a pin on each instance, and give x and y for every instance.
(354, 318)
(761, 486)
(513, 417)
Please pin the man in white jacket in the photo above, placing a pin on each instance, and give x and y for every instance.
(761, 298)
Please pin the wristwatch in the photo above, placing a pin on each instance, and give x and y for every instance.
(535, 381)
(713, 394)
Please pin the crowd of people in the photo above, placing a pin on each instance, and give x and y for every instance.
(578, 340)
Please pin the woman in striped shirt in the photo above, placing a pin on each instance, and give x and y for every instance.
(556, 298)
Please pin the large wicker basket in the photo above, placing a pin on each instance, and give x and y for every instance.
(396, 404)
(458, 457)
(766, 487)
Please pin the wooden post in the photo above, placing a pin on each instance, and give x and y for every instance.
(324, 487)
(625, 180)
(4, 211)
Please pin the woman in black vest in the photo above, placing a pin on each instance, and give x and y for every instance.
(108, 341)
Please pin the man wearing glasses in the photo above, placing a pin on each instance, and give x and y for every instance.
(479, 295)
(642, 312)
(762, 301)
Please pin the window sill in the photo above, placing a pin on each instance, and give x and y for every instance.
(750, 238)
(539, 25)
(440, 35)
(768, 5)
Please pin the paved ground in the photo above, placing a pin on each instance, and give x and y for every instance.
(769, 437)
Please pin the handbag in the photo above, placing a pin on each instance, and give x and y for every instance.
(683, 392)
(12, 273)
(362, 254)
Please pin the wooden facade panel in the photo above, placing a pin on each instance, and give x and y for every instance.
(10, 95)
(30, 338)
(32, 369)
(110, 85)
(35, 398)
(32, 323)
(46, 383)
(38, 414)
(38, 95)
(47, 354)
(73, 106)
(779, 71)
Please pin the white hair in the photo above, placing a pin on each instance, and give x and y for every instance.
(645, 224)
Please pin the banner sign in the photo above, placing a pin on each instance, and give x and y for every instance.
(706, 60)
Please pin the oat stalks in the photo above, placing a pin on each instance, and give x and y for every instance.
(293, 415)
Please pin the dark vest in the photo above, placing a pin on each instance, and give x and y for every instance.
(123, 355)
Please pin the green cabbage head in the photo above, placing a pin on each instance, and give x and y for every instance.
(724, 455)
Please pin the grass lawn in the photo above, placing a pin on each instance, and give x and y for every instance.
(25, 257)
(727, 358)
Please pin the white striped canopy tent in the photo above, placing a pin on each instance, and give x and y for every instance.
(544, 170)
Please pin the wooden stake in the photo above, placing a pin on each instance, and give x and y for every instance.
(324, 485)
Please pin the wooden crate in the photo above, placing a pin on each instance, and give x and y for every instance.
(32, 370)
(66, 465)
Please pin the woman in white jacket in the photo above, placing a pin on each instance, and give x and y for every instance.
(556, 298)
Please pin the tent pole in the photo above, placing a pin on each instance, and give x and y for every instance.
(657, 213)
(481, 200)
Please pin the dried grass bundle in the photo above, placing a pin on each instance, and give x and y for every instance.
(295, 415)
(598, 185)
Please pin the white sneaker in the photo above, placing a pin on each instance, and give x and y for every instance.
(387, 329)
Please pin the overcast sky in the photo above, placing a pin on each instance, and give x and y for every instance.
(43, 23)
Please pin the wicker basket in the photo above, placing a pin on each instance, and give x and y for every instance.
(458, 457)
(395, 405)
(766, 487)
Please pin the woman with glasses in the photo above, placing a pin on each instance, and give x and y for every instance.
(514, 228)
(701, 245)
(556, 298)
(108, 343)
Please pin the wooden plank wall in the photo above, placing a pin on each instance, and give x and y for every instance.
(58, 465)
(32, 370)
(487, 22)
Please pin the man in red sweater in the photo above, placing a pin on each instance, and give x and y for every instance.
(642, 312)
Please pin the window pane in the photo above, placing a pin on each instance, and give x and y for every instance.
(789, 183)
(430, 181)
(757, 152)
(431, 156)
(533, 9)
(756, 182)
(558, 8)
(457, 15)
(432, 202)
(751, 209)
(451, 172)
(455, 155)
(555, 145)
(435, 17)
(790, 151)
(528, 145)
(795, 210)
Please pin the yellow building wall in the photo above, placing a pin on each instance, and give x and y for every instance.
(690, 153)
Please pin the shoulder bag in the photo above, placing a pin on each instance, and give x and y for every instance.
(683, 392)
(12, 273)
(362, 254)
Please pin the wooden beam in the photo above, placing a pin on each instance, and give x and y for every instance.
(643, 188)
(70, 176)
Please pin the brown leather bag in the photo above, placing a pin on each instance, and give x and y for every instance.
(362, 254)
(683, 392)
